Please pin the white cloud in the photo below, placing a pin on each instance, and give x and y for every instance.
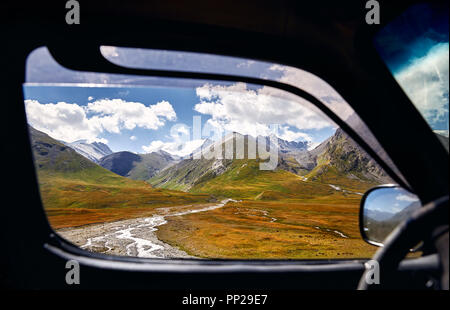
(236, 108)
(179, 148)
(179, 143)
(154, 146)
(90, 98)
(133, 138)
(70, 122)
(404, 197)
(180, 133)
(425, 81)
(62, 121)
(183, 130)
(286, 134)
(115, 114)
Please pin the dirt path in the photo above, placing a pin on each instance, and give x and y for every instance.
(134, 237)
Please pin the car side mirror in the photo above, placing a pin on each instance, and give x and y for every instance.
(382, 209)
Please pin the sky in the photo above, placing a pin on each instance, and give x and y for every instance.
(146, 114)
(390, 200)
(415, 47)
(147, 119)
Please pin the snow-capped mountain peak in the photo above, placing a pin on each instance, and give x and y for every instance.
(93, 151)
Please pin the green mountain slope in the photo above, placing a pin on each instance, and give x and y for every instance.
(54, 159)
(193, 172)
(188, 173)
(137, 166)
(244, 180)
(338, 162)
(75, 191)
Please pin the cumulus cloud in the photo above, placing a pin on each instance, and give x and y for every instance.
(154, 146)
(70, 122)
(174, 147)
(115, 114)
(286, 134)
(179, 144)
(133, 138)
(237, 108)
(90, 98)
(62, 121)
(426, 82)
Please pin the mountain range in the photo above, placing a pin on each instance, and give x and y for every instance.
(137, 166)
(337, 161)
(127, 164)
(146, 166)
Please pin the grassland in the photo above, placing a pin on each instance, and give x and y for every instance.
(271, 230)
(87, 197)
(279, 215)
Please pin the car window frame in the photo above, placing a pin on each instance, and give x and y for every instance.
(57, 244)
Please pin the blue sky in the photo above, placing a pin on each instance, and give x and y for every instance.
(182, 100)
(391, 200)
(144, 114)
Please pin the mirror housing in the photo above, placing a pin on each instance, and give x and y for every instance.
(382, 209)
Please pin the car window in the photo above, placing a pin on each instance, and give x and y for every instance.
(175, 168)
(415, 48)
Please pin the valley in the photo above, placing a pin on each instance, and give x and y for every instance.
(164, 206)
